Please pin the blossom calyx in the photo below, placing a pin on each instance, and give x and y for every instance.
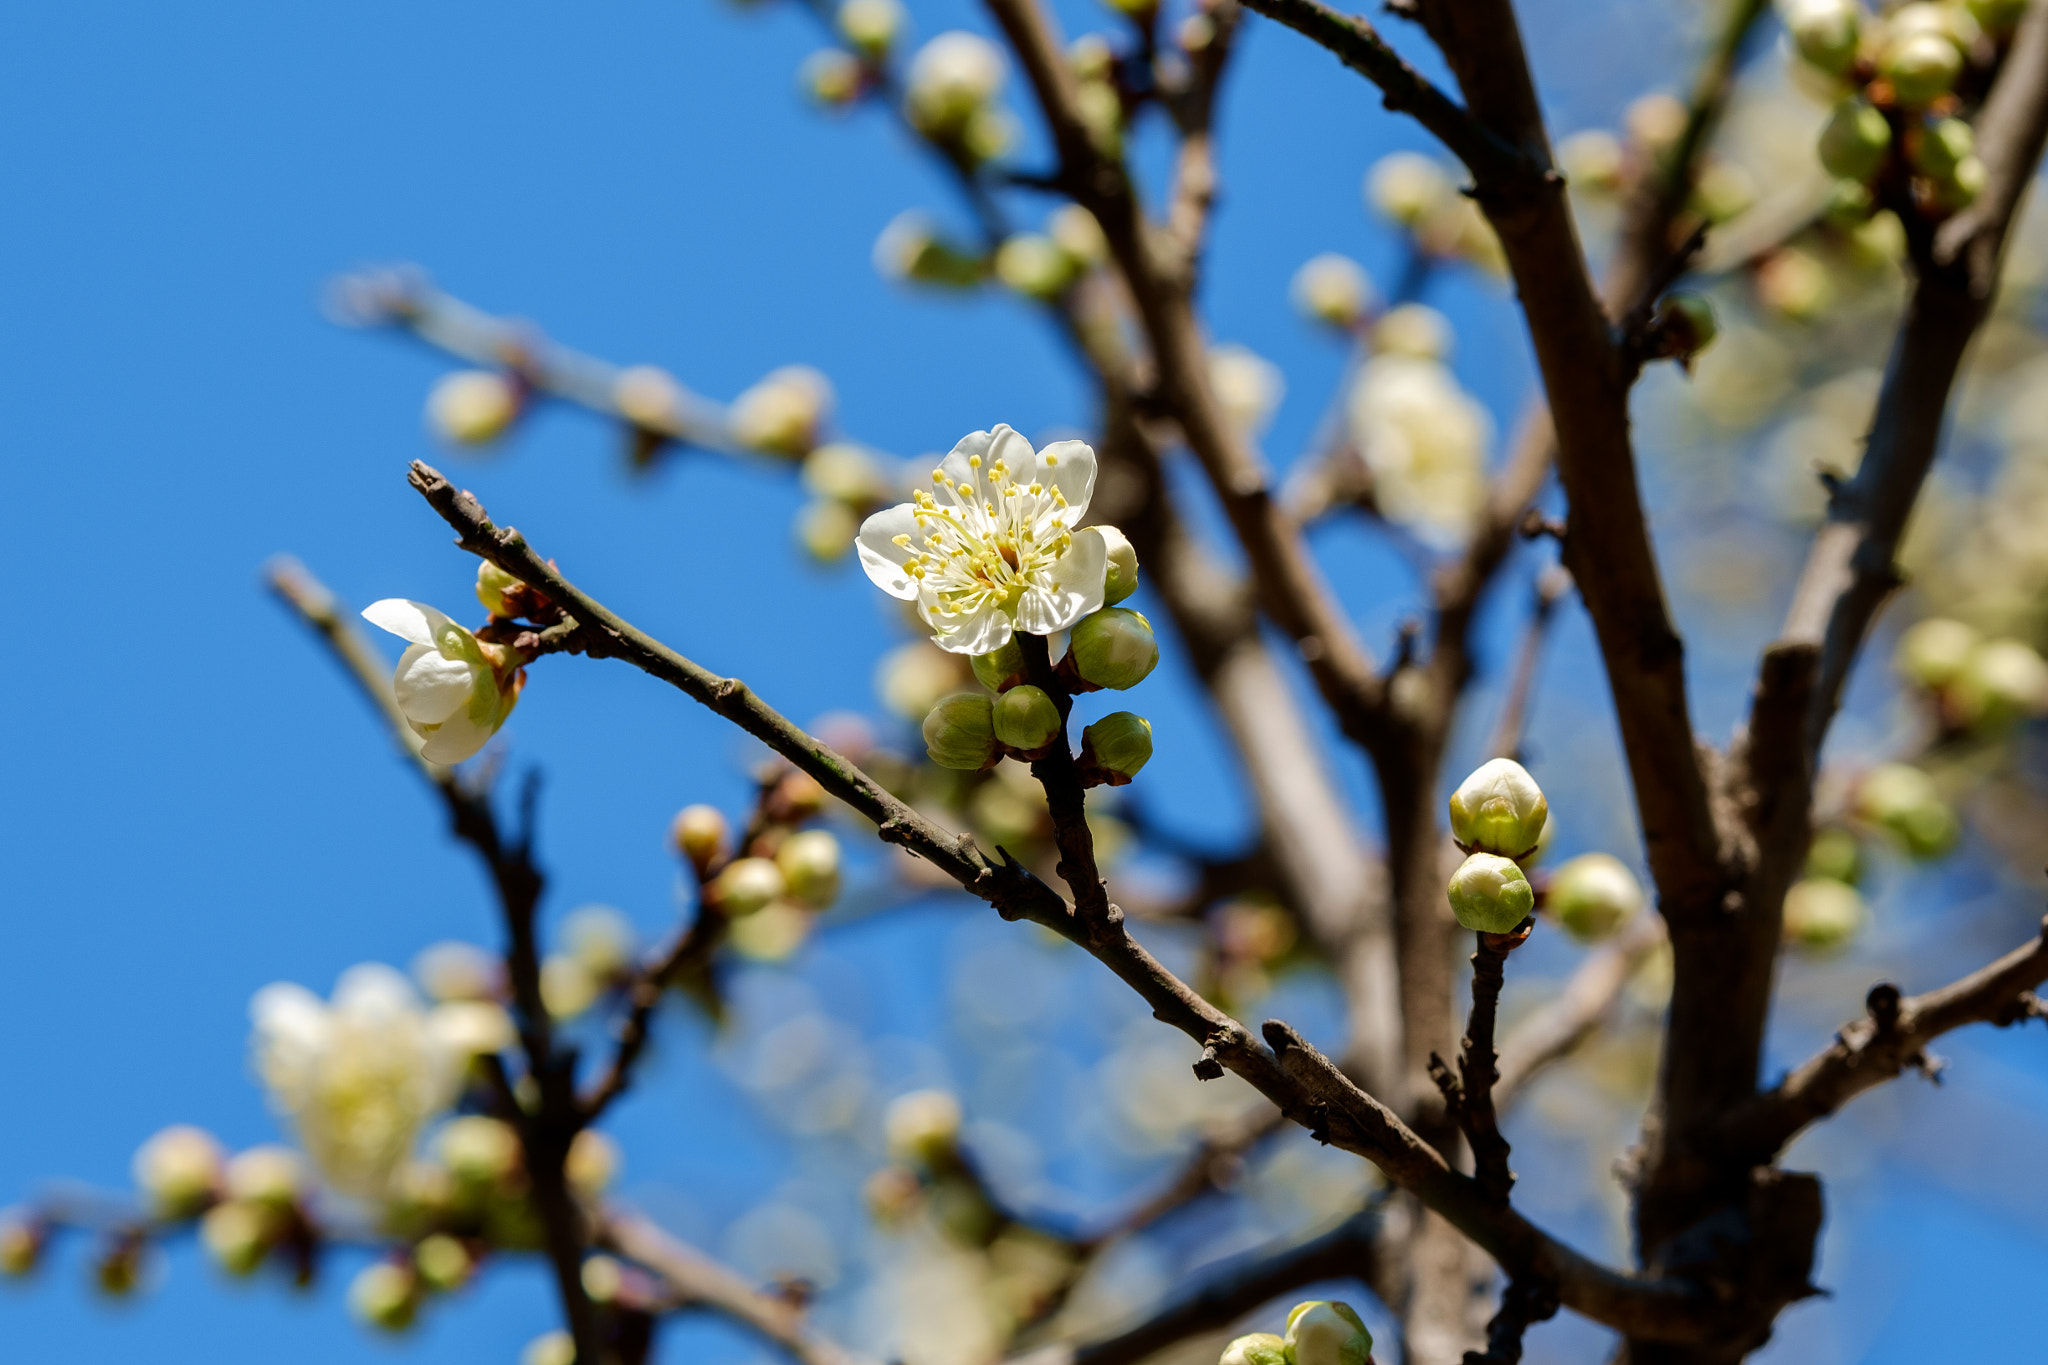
(999, 670)
(453, 689)
(1490, 894)
(1114, 748)
(748, 885)
(1112, 648)
(1259, 1348)
(1026, 719)
(1499, 809)
(1322, 1332)
(960, 733)
(1592, 895)
(1854, 140)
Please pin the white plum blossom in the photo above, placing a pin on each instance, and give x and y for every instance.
(453, 689)
(1424, 439)
(359, 1076)
(991, 549)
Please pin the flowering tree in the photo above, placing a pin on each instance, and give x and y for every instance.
(469, 1125)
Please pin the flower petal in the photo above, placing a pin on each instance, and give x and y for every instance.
(408, 620)
(1070, 467)
(431, 688)
(1069, 591)
(978, 632)
(455, 739)
(881, 556)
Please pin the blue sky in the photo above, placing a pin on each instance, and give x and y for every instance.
(197, 806)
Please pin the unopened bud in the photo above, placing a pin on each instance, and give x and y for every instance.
(1937, 147)
(481, 1154)
(1413, 331)
(592, 1164)
(846, 473)
(1499, 809)
(1592, 161)
(1113, 648)
(795, 798)
(2003, 681)
(648, 397)
(1824, 32)
(1248, 387)
(1331, 289)
(831, 77)
(826, 530)
(1091, 58)
(1921, 64)
(910, 248)
(1854, 140)
(1407, 187)
(1078, 234)
(782, 414)
(179, 1171)
(999, 670)
(950, 80)
(567, 987)
(1997, 16)
(472, 407)
(549, 1348)
(1321, 1332)
(1101, 111)
(1260, 1348)
(1684, 324)
(922, 1126)
(270, 1177)
(1962, 185)
(21, 1247)
(1490, 894)
(1835, 854)
(1117, 746)
(1026, 718)
(1034, 266)
(746, 885)
(492, 583)
(1655, 121)
(700, 833)
(872, 25)
(118, 1271)
(1902, 800)
(1592, 895)
(1933, 653)
(237, 1236)
(960, 732)
(601, 938)
(603, 1277)
(809, 860)
(1794, 282)
(442, 1263)
(1822, 913)
(914, 678)
(1121, 578)
(385, 1296)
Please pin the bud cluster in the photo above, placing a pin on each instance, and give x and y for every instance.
(770, 891)
(1973, 684)
(1319, 1332)
(1497, 819)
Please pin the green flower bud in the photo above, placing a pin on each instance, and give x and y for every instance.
(1321, 1332)
(1078, 234)
(179, 1171)
(922, 1127)
(1118, 745)
(1835, 854)
(442, 1263)
(1499, 809)
(2003, 681)
(1122, 578)
(118, 1272)
(1592, 895)
(492, 583)
(1934, 652)
(746, 885)
(911, 249)
(1026, 718)
(1685, 322)
(385, 1296)
(270, 1177)
(999, 670)
(1114, 648)
(1490, 894)
(1260, 1348)
(1854, 140)
(21, 1248)
(873, 26)
(472, 407)
(1101, 111)
(1822, 914)
(700, 834)
(960, 732)
(1034, 266)
(809, 860)
(1961, 188)
(1903, 801)
(482, 1154)
(1331, 289)
(1936, 148)
(1922, 65)
(1825, 32)
(592, 1163)
(549, 1348)
(237, 1236)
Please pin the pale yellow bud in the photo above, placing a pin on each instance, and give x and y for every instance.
(1333, 289)
(601, 938)
(1822, 914)
(648, 396)
(783, 413)
(700, 833)
(472, 407)
(237, 1236)
(1407, 187)
(567, 987)
(179, 1171)
(809, 860)
(385, 1296)
(922, 1126)
(1491, 894)
(747, 885)
(1593, 895)
(592, 1164)
(1414, 330)
(1078, 234)
(456, 971)
(442, 1263)
(269, 1176)
(1499, 809)
(1321, 1332)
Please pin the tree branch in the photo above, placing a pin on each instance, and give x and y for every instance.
(1574, 1013)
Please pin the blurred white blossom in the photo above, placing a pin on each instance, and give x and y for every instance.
(1424, 439)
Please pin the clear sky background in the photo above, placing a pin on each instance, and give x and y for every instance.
(195, 805)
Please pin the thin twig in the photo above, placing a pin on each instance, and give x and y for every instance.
(1509, 731)
(1571, 1016)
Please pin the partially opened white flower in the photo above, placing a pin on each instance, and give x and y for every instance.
(992, 549)
(454, 689)
(357, 1077)
(1424, 439)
